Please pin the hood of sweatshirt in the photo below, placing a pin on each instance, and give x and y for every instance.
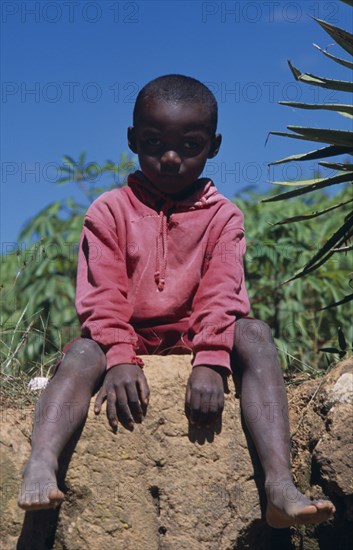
(203, 194)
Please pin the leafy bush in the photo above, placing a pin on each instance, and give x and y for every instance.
(38, 290)
(294, 310)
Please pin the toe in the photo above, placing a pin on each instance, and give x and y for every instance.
(325, 505)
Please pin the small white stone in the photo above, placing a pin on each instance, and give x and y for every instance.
(342, 391)
(38, 383)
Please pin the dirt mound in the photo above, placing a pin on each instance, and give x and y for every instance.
(166, 486)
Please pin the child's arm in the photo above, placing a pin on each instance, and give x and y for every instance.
(220, 299)
(126, 391)
(105, 312)
(102, 287)
(221, 296)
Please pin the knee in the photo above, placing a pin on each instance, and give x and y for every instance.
(88, 352)
(252, 334)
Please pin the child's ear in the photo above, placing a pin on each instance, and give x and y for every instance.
(131, 140)
(215, 145)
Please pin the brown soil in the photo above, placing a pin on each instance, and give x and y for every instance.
(166, 486)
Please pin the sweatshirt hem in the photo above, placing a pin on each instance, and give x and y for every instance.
(219, 358)
(122, 353)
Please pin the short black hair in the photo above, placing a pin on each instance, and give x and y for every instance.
(175, 88)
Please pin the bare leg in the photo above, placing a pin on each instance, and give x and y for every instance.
(60, 411)
(265, 410)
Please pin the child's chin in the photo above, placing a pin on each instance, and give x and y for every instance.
(169, 186)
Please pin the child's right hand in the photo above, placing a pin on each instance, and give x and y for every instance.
(126, 390)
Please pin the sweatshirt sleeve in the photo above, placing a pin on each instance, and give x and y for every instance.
(101, 292)
(220, 299)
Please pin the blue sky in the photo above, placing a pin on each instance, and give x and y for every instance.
(71, 71)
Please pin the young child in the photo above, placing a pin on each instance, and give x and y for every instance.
(160, 271)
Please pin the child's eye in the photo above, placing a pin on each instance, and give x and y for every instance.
(153, 141)
(190, 145)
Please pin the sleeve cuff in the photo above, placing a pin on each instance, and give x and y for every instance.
(219, 358)
(122, 353)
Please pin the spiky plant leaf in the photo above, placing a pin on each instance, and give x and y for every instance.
(345, 300)
(316, 214)
(314, 80)
(343, 138)
(341, 108)
(334, 136)
(344, 233)
(344, 167)
(324, 152)
(320, 184)
(343, 62)
(342, 37)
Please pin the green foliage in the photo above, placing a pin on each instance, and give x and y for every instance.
(339, 239)
(294, 310)
(38, 290)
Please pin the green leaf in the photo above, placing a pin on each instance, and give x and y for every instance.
(347, 115)
(312, 215)
(320, 184)
(324, 152)
(344, 248)
(314, 80)
(334, 58)
(341, 339)
(347, 144)
(343, 38)
(295, 183)
(349, 2)
(330, 350)
(345, 300)
(344, 167)
(343, 233)
(81, 159)
(69, 160)
(325, 135)
(340, 107)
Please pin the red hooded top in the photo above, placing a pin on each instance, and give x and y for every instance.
(146, 260)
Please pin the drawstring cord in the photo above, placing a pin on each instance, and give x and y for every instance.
(202, 194)
(161, 240)
(161, 252)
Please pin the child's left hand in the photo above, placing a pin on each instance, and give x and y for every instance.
(204, 400)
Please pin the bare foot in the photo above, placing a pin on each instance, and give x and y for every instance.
(286, 506)
(39, 488)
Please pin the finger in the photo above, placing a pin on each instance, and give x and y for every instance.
(123, 409)
(144, 395)
(220, 403)
(111, 410)
(101, 397)
(213, 411)
(134, 403)
(143, 390)
(203, 416)
(195, 405)
(188, 395)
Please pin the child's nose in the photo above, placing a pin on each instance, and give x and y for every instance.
(170, 159)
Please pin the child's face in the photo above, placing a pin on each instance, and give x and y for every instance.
(173, 142)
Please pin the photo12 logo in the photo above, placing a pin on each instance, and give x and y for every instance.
(68, 91)
(271, 11)
(70, 12)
